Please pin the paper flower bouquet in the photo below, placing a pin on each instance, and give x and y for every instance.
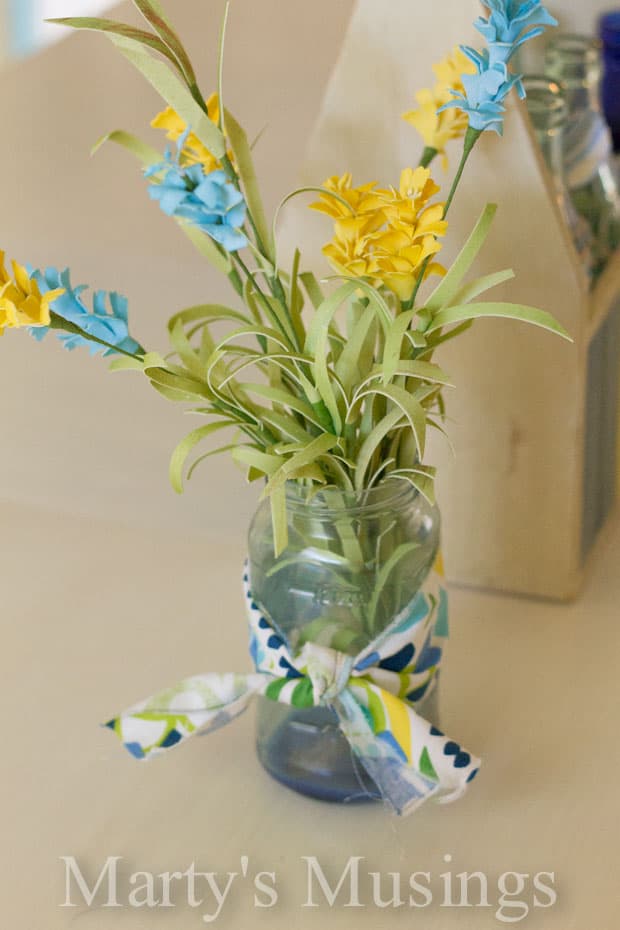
(324, 389)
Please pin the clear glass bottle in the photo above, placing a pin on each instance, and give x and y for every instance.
(352, 563)
(548, 111)
(574, 61)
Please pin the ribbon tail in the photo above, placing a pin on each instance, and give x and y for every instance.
(403, 788)
(200, 704)
(409, 760)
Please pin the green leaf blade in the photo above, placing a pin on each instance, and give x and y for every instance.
(481, 285)
(175, 94)
(207, 247)
(168, 36)
(145, 154)
(185, 447)
(443, 295)
(300, 460)
(509, 311)
(317, 347)
(372, 442)
(349, 366)
(247, 174)
(408, 406)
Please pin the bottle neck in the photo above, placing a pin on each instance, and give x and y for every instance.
(549, 114)
(582, 96)
(609, 29)
(550, 141)
(546, 104)
(574, 61)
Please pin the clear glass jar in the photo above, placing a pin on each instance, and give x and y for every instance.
(352, 563)
(548, 111)
(575, 62)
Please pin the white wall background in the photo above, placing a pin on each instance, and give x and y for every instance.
(43, 33)
(24, 26)
(74, 437)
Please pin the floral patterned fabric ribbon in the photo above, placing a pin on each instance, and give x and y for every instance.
(374, 696)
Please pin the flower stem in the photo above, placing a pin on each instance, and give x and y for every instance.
(263, 299)
(235, 279)
(232, 175)
(251, 277)
(471, 137)
(196, 94)
(279, 293)
(275, 284)
(428, 156)
(59, 322)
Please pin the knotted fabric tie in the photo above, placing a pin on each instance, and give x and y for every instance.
(374, 696)
(328, 670)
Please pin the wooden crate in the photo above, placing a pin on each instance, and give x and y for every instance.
(534, 421)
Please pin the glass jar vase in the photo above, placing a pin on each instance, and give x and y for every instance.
(574, 61)
(548, 111)
(352, 563)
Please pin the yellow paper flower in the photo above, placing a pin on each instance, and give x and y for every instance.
(450, 70)
(358, 214)
(385, 235)
(408, 204)
(358, 200)
(437, 129)
(21, 301)
(350, 251)
(429, 223)
(194, 152)
(400, 260)
(417, 185)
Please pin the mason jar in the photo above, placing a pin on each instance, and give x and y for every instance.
(574, 61)
(352, 563)
(548, 112)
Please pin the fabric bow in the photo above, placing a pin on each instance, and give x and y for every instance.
(373, 694)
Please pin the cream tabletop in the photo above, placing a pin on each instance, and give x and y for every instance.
(97, 615)
(113, 587)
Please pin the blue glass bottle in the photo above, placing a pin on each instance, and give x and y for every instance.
(610, 91)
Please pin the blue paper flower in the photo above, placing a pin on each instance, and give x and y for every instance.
(107, 320)
(484, 97)
(510, 24)
(508, 21)
(208, 201)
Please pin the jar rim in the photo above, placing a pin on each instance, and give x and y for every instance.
(575, 42)
(389, 494)
(546, 102)
(574, 59)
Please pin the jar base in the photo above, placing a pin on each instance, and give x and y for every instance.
(313, 758)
